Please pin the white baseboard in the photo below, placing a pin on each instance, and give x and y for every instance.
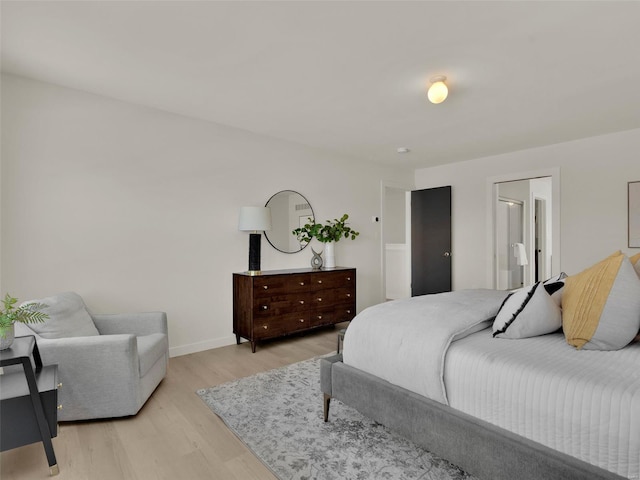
(202, 346)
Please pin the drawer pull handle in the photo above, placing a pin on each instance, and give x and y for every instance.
(301, 302)
(302, 283)
(60, 385)
(265, 327)
(319, 281)
(264, 307)
(319, 317)
(348, 311)
(319, 299)
(60, 407)
(349, 279)
(302, 320)
(348, 295)
(266, 287)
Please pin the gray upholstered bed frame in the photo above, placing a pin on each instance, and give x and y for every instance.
(479, 448)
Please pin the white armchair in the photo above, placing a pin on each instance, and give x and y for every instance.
(112, 368)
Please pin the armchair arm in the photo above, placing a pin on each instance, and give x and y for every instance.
(144, 323)
(98, 374)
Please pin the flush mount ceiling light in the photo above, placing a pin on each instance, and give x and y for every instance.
(438, 91)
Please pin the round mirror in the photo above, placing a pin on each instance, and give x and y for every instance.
(289, 210)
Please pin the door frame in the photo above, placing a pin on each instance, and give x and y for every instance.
(384, 184)
(540, 232)
(491, 200)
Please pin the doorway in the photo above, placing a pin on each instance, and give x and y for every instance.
(522, 254)
(431, 241)
(396, 241)
(415, 241)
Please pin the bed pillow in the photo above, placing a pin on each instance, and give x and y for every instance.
(527, 312)
(601, 305)
(635, 261)
(554, 287)
(68, 317)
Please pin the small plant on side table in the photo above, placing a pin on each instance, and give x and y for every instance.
(9, 315)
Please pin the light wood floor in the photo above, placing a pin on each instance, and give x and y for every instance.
(175, 435)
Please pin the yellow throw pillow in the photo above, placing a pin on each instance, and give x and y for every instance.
(635, 261)
(601, 305)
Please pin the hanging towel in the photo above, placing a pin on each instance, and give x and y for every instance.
(520, 254)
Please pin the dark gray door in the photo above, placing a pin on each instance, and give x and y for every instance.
(431, 241)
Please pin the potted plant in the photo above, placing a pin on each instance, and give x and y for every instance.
(9, 315)
(329, 233)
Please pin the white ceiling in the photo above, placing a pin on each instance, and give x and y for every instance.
(350, 77)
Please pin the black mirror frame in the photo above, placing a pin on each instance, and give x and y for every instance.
(313, 216)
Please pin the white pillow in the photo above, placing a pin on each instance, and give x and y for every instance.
(554, 287)
(68, 317)
(528, 312)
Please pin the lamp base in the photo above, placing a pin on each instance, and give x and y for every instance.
(253, 273)
(254, 252)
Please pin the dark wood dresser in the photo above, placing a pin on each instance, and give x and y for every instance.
(282, 302)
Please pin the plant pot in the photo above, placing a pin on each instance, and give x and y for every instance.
(329, 255)
(7, 336)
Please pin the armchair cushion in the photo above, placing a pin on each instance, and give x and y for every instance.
(68, 317)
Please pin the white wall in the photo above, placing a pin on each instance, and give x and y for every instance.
(593, 189)
(136, 209)
(394, 216)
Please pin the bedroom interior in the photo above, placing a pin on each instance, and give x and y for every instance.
(134, 132)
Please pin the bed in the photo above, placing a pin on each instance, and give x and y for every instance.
(529, 408)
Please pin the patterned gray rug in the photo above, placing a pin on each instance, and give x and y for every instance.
(278, 415)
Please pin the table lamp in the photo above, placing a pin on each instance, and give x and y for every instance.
(254, 220)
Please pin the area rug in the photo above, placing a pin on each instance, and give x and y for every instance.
(278, 415)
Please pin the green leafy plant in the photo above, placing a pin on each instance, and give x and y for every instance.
(29, 313)
(331, 231)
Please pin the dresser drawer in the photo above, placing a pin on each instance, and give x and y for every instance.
(333, 280)
(280, 304)
(281, 325)
(278, 285)
(332, 314)
(332, 296)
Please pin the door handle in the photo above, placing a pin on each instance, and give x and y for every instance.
(447, 254)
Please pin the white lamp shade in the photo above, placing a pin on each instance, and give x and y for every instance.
(253, 219)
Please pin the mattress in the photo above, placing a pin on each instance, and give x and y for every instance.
(582, 403)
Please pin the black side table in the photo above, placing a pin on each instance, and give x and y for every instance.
(28, 399)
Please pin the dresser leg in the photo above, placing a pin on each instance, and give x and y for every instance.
(237, 339)
(253, 347)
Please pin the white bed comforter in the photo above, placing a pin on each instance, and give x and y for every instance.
(582, 403)
(417, 332)
(585, 403)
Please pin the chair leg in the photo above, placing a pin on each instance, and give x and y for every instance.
(327, 401)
